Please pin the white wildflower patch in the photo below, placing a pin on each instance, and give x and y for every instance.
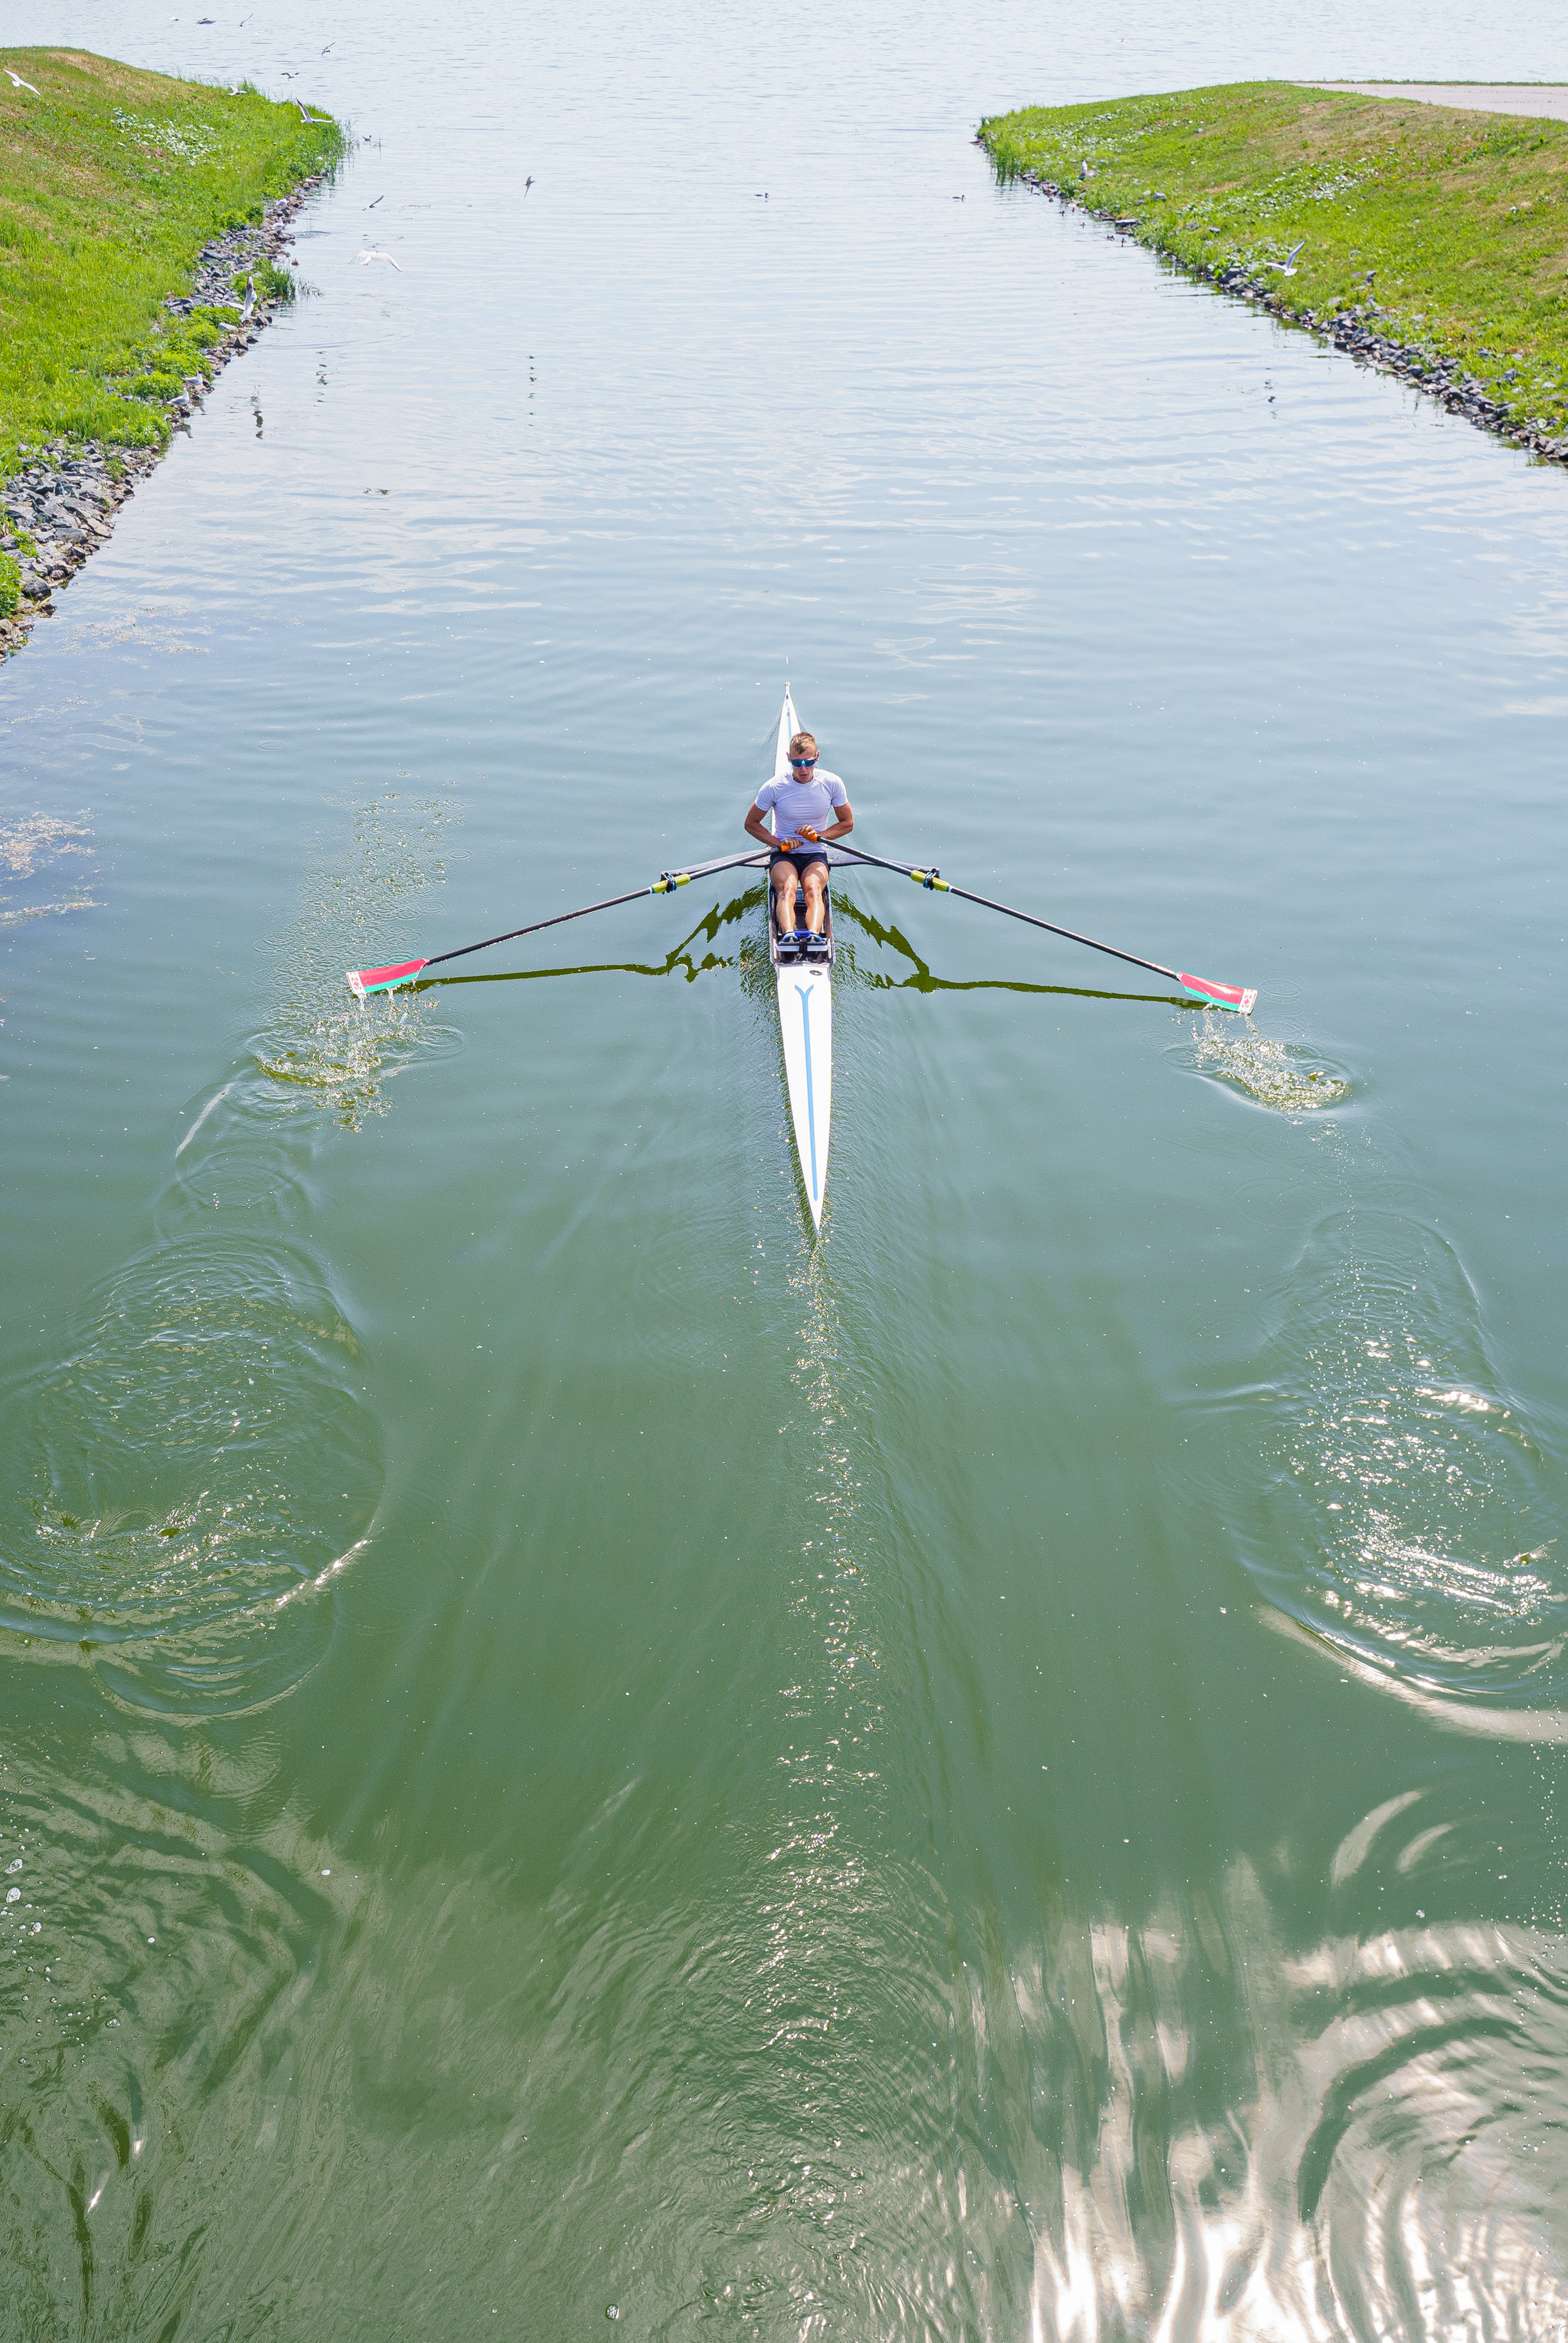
(186, 142)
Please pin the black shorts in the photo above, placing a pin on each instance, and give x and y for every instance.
(802, 858)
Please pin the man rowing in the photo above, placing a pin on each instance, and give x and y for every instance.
(804, 808)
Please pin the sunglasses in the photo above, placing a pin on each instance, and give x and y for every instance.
(799, 763)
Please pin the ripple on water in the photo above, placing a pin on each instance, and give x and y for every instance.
(1270, 1072)
(198, 1460)
(1405, 1505)
(1381, 2159)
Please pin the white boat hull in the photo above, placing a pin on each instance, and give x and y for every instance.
(806, 1023)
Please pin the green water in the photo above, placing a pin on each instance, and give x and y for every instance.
(566, 1749)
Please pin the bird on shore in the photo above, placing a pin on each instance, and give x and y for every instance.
(363, 257)
(18, 82)
(1287, 268)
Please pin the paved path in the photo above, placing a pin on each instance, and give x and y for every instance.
(1480, 96)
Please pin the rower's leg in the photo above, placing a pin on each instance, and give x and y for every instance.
(816, 884)
(784, 885)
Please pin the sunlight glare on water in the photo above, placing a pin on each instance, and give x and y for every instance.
(567, 1749)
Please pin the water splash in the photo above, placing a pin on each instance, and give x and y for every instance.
(1276, 1074)
(320, 1048)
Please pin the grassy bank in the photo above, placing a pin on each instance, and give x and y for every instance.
(1442, 231)
(111, 182)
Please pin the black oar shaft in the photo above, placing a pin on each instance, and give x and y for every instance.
(946, 886)
(665, 884)
(561, 918)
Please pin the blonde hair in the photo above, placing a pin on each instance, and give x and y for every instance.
(801, 742)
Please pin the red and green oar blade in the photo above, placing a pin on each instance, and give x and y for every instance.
(363, 980)
(1239, 997)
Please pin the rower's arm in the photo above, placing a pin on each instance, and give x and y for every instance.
(841, 827)
(757, 828)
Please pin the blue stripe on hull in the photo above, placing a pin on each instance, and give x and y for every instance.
(805, 992)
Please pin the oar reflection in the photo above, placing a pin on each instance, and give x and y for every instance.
(679, 961)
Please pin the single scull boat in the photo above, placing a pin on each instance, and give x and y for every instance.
(806, 986)
(805, 1018)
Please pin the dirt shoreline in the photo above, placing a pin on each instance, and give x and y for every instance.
(57, 512)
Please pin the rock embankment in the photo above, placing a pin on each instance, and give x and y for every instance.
(62, 508)
(1355, 329)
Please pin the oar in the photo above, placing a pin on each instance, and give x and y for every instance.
(363, 980)
(1238, 997)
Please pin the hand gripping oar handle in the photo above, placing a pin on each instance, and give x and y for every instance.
(363, 980)
(1221, 996)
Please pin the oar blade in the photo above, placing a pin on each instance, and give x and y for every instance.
(1239, 997)
(362, 981)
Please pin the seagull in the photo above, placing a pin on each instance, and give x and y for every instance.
(363, 257)
(305, 112)
(528, 183)
(331, 44)
(1083, 170)
(380, 199)
(291, 76)
(19, 83)
(1287, 268)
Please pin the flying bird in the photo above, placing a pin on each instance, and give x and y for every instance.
(363, 257)
(380, 199)
(291, 76)
(305, 112)
(19, 83)
(331, 44)
(1287, 268)
(528, 183)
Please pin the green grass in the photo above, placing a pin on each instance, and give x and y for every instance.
(1462, 218)
(111, 182)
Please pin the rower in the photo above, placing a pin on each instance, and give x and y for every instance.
(808, 808)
